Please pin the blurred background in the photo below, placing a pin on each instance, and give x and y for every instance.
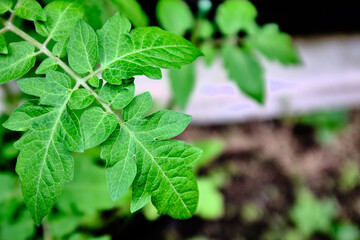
(275, 101)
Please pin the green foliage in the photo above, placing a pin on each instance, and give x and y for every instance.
(174, 16)
(46, 65)
(30, 10)
(19, 60)
(133, 11)
(82, 48)
(235, 15)
(3, 47)
(137, 149)
(312, 215)
(5, 5)
(328, 124)
(349, 176)
(182, 83)
(125, 58)
(246, 71)
(273, 44)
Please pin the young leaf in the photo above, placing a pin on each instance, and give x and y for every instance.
(142, 52)
(245, 70)
(82, 48)
(174, 16)
(275, 45)
(94, 82)
(80, 99)
(5, 5)
(61, 16)
(118, 96)
(46, 65)
(182, 83)
(3, 47)
(235, 15)
(41, 29)
(133, 11)
(17, 62)
(45, 162)
(59, 49)
(96, 126)
(140, 105)
(30, 10)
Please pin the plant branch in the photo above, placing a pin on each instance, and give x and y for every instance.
(79, 81)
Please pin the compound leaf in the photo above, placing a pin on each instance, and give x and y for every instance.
(41, 28)
(81, 98)
(274, 44)
(30, 10)
(17, 62)
(61, 17)
(46, 65)
(175, 16)
(182, 83)
(96, 126)
(245, 70)
(163, 167)
(118, 96)
(139, 106)
(235, 15)
(142, 52)
(45, 162)
(5, 5)
(82, 48)
(3, 47)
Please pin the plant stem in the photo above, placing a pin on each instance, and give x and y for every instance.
(79, 81)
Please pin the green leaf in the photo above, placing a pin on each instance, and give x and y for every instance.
(142, 52)
(235, 15)
(96, 126)
(212, 149)
(3, 47)
(139, 106)
(164, 167)
(118, 96)
(5, 5)
(46, 65)
(61, 16)
(312, 215)
(53, 90)
(245, 70)
(206, 29)
(174, 16)
(30, 10)
(275, 45)
(211, 201)
(209, 51)
(41, 29)
(17, 62)
(182, 82)
(80, 99)
(82, 48)
(45, 162)
(59, 48)
(94, 82)
(120, 162)
(133, 11)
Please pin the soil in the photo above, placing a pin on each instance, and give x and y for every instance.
(267, 161)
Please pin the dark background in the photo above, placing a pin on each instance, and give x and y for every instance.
(295, 17)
